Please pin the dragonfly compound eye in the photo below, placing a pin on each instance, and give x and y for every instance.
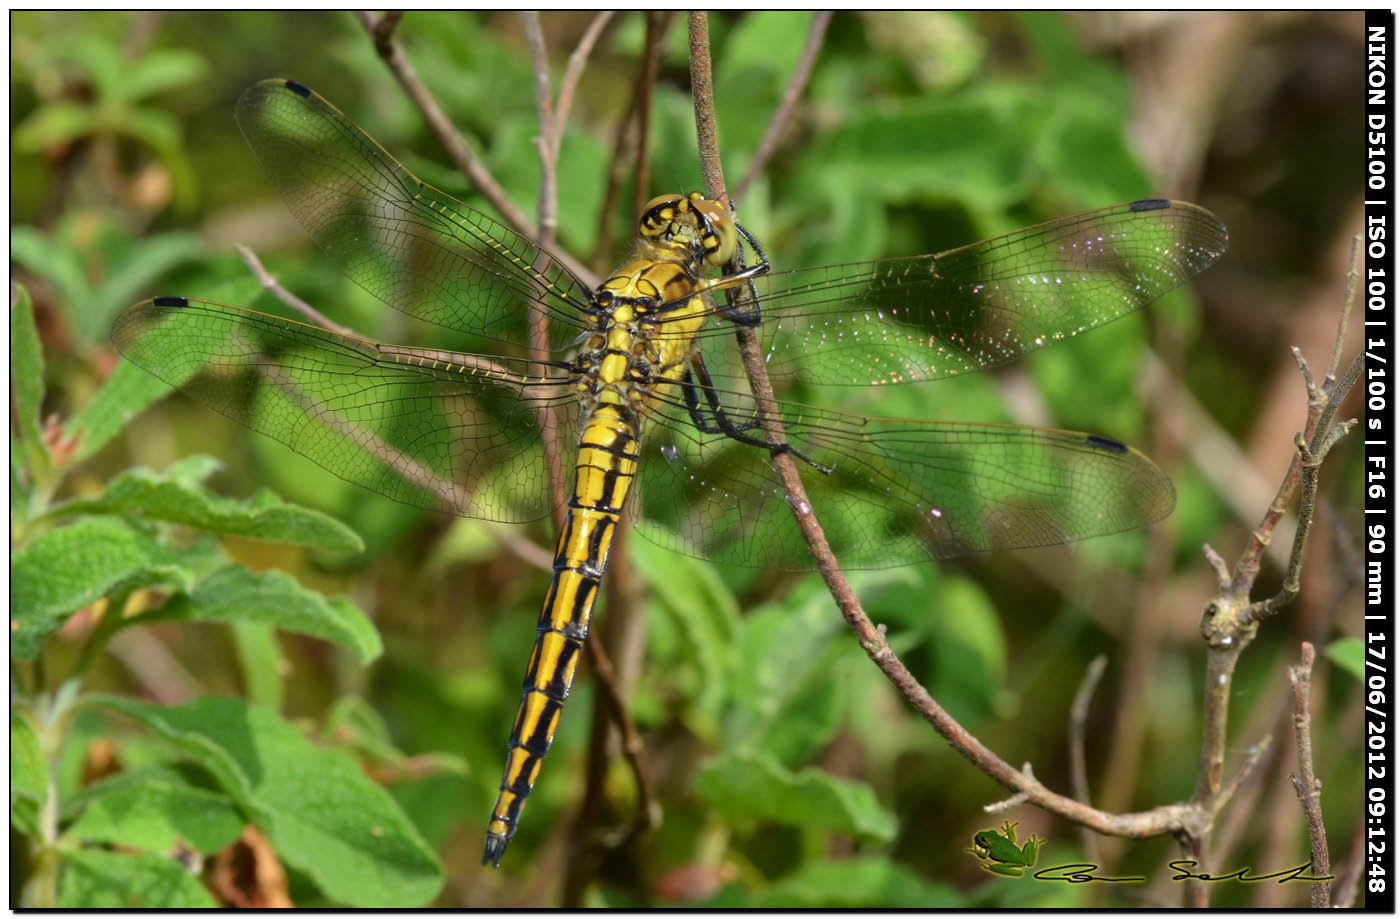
(717, 236)
(658, 216)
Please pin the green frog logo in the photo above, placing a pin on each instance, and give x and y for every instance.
(1000, 854)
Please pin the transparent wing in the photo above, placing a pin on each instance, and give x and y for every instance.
(891, 492)
(434, 429)
(970, 308)
(416, 248)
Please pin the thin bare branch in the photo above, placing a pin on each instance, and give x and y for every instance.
(1247, 568)
(1348, 301)
(1309, 461)
(1230, 620)
(658, 24)
(547, 218)
(1186, 818)
(796, 86)
(1252, 758)
(702, 91)
(457, 150)
(274, 287)
(1078, 766)
(1305, 781)
(573, 70)
(384, 28)
(409, 468)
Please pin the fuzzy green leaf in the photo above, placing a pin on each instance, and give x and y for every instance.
(96, 879)
(175, 498)
(235, 594)
(703, 609)
(68, 568)
(317, 807)
(787, 700)
(153, 809)
(752, 786)
(29, 776)
(127, 393)
(53, 124)
(161, 69)
(26, 370)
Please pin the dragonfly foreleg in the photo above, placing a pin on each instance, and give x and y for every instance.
(745, 310)
(722, 424)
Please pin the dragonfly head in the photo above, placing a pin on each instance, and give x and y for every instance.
(698, 224)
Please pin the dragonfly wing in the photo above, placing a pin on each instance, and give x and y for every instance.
(975, 307)
(890, 492)
(438, 430)
(416, 248)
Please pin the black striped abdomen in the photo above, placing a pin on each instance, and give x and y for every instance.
(607, 463)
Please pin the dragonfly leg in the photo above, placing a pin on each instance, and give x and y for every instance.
(745, 311)
(722, 424)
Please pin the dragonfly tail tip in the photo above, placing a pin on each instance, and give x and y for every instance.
(495, 848)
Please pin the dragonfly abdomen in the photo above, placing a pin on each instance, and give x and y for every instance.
(607, 463)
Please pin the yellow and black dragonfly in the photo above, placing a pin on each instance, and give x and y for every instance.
(643, 384)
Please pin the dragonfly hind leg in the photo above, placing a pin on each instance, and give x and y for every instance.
(723, 424)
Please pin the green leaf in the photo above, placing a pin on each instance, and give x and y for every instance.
(153, 809)
(95, 879)
(966, 147)
(177, 499)
(153, 127)
(969, 649)
(130, 275)
(260, 659)
(857, 883)
(235, 594)
(68, 568)
(53, 124)
(29, 775)
(127, 393)
(26, 373)
(745, 787)
(53, 260)
(786, 700)
(1349, 654)
(316, 806)
(702, 608)
(159, 70)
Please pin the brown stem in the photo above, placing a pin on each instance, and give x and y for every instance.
(1078, 767)
(658, 24)
(800, 75)
(1230, 621)
(573, 70)
(274, 287)
(1165, 819)
(391, 52)
(1348, 301)
(1305, 781)
(546, 215)
(1309, 462)
(539, 318)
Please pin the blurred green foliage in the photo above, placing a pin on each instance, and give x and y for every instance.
(789, 773)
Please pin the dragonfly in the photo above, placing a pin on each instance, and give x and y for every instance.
(641, 382)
